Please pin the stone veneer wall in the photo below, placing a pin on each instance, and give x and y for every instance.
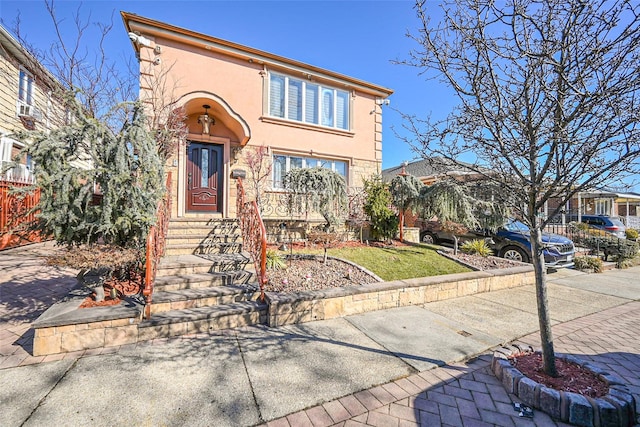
(81, 329)
(309, 306)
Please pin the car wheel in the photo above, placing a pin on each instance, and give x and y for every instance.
(514, 253)
(429, 239)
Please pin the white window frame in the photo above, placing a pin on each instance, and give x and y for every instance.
(319, 120)
(307, 162)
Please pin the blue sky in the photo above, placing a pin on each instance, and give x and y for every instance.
(357, 38)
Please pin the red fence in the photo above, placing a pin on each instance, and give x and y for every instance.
(16, 215)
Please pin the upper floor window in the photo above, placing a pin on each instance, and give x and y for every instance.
(25, 89)
(283, 164)
(307, 102)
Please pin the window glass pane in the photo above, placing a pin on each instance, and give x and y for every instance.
(327, 107)
(311, 103)
(342, 110)
(204, 168)
(311, 163)
(22, 89)
(276, 96)
(341, 168)
(295, 162)
(29, 89)
(295, 100)
(279, 169)
(327, 164)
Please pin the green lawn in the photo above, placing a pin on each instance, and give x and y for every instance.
(396, 263)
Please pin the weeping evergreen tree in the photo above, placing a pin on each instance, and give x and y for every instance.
(86, 155)
(405, 191)
(317, 189)
(451, 202)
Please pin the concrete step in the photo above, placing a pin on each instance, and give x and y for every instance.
(181, 299)
(203, 238)
(202, 230)
(203, 280)
(204, 263)
(202, 320)
(204, 248)
(210, 223)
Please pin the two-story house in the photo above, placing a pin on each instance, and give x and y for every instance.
(26, 102)
(236, 98)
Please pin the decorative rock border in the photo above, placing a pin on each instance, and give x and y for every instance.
(617, 408)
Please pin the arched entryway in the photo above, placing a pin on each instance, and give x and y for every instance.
(215, 131)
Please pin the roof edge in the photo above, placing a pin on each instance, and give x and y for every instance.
(163, 29)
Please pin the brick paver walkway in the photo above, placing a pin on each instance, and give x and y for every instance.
(27, 288)
(468, 394)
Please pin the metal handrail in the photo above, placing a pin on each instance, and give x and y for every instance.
(156, 246)
(254, 234)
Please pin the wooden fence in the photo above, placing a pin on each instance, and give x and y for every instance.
(16, 215)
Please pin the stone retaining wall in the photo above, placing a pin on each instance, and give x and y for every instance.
(309, 306)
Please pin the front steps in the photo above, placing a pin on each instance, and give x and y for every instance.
(204, 282)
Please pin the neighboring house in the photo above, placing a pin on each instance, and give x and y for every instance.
(237, 98)
(430, 170)
(595, 202)
(605, 202)
(26, 102)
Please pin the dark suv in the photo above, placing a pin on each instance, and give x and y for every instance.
(511, 241)
(610, 224)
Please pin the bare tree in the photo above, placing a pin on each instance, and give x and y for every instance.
(260, 167)
(549, 102)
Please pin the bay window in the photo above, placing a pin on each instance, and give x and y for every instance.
(302, 101)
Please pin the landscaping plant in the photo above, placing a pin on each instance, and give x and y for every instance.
(476, 247)
(383, 220)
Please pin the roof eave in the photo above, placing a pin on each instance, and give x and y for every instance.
(136, 23)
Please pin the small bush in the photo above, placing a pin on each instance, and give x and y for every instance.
(476, 247)
(632, 234)
(275, 261)
(588, 263)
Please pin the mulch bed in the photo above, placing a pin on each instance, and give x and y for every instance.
(130, 285)
(571, 377)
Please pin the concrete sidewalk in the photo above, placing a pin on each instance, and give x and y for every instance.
(406, 366)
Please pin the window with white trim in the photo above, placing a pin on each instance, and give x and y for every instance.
(303, 101)
(25, 88)
(283, 164)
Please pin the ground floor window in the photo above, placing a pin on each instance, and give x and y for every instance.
(284, 163)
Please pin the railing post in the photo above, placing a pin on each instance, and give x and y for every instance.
(254, 234)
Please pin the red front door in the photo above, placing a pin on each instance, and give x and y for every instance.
(204, 178)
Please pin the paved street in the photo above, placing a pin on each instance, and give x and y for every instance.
(423, 365)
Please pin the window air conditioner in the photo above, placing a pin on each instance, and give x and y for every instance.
(28, 111)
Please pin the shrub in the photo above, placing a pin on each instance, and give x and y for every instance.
(632, 234)
(588, 263)
(275, 261)
(476, 247)
(384, 222)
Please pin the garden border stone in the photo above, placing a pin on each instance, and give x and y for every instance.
(617, 408)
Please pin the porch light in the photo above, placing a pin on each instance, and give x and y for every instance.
(206, 120)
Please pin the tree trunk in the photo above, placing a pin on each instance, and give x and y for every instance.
(546, 337)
